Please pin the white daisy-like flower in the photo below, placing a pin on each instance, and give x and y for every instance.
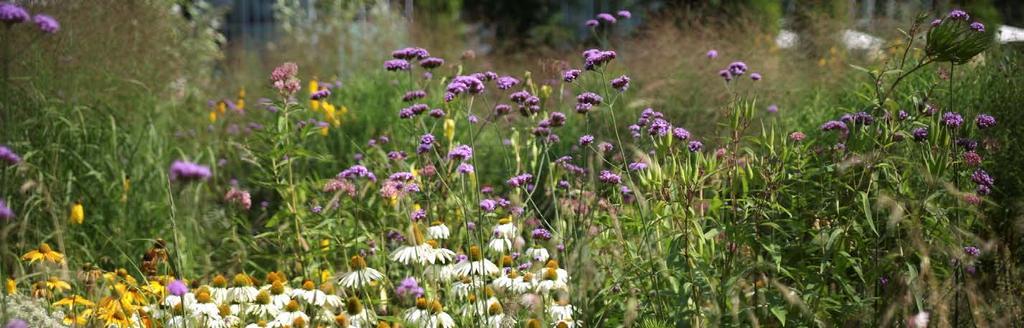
(551, 281)
(357, 315)
(500, 245)
(539, 254)
(256, 325)
(242, 291)
(422, 254)
(438, 230)
(496, 317)
(232, 321)
(361, 275)
(466, 286)
(289, 315)
(437, 317)
(439, 272)
(563, 276)
(219, 290)
(420, 312)
(476, 266)
(262, 307)
(505, 229)
(561, 310)
(171, 301)
(309, 294)
(279, 294)
(524, 283)
(505, 281)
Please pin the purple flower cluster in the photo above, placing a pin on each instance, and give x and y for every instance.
(984, 121)
(410, 53)
(409, 287)
(177, 288)
(5, 212)
(520, 180)
(586, 139)
(506, 82)
(920, 134)
(957, 14)
(50, 25)
(488, 205)
(594, 58)
(609, 177)
(463, 84)
(712, 54)
(637, 166)
(465, 168)
(972, 251)
(320, 94)
(952, 119)
(9, 156)
(394, 65)
(188, 171)
(413, 95)
(541, 234)
(834, 125)
(978, 26)
(431, 62)
(356, 171)
(680, 134)
(284, 79)
(460, 153)
(972, 158)
(858, 118)
(695, 146)
(12, 14)
(586, 101)
(984, 181)
(571, 75)
(620, 83)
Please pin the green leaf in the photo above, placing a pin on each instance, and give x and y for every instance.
(780, 313)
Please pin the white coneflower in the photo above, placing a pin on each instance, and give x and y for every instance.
(361, 275)
(243, 290)
(567, 323)
(437, 317)
(506, 281)
(204, 310)
(278, 294)
(439, 272)
(476, 266)
(500, 245)
(420, 312)
(357, 315)
(438, 230)
(291, 313)
(561, 310)
(258, 324)
(341, 321)
(219, 290)
(422, 252)
(261, 308)
(466, 286)
(539, 254)
(309, 294)
(333, 301)
(171, 301)
(550, 281)
(563, 276)
(505, 229)
(524, 283)
(496, 317)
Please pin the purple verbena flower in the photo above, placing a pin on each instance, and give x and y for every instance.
(395, 65)
(465, 168)
(413, 95)
(607, 18)
(6, 213)
(920, 134)
(609, 177)
(541, 234)
(984, 121)
(637, 166)
(571, 75)
(460, 153)
(9, 156)
(620, 83)
(188, 171)
(972, 251)
(957, 14)
(978, 26)
(488, 205)
(431, 62)
(712, 54)
(695, 146)
(952, 119)
(586, 140)
(12, 14)
(506, 82)
(520, 180)
(50, 25)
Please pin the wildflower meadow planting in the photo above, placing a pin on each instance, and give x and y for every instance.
(651, 164)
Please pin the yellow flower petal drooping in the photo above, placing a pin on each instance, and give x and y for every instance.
(222, 107)
(240, 104)
(449, 129)
(43, 253)
(77, 213)
(324, 130)
(545, 91)
(55, 283)
(213, 116)
(11, 286)
(314, 86)
(329, 110)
